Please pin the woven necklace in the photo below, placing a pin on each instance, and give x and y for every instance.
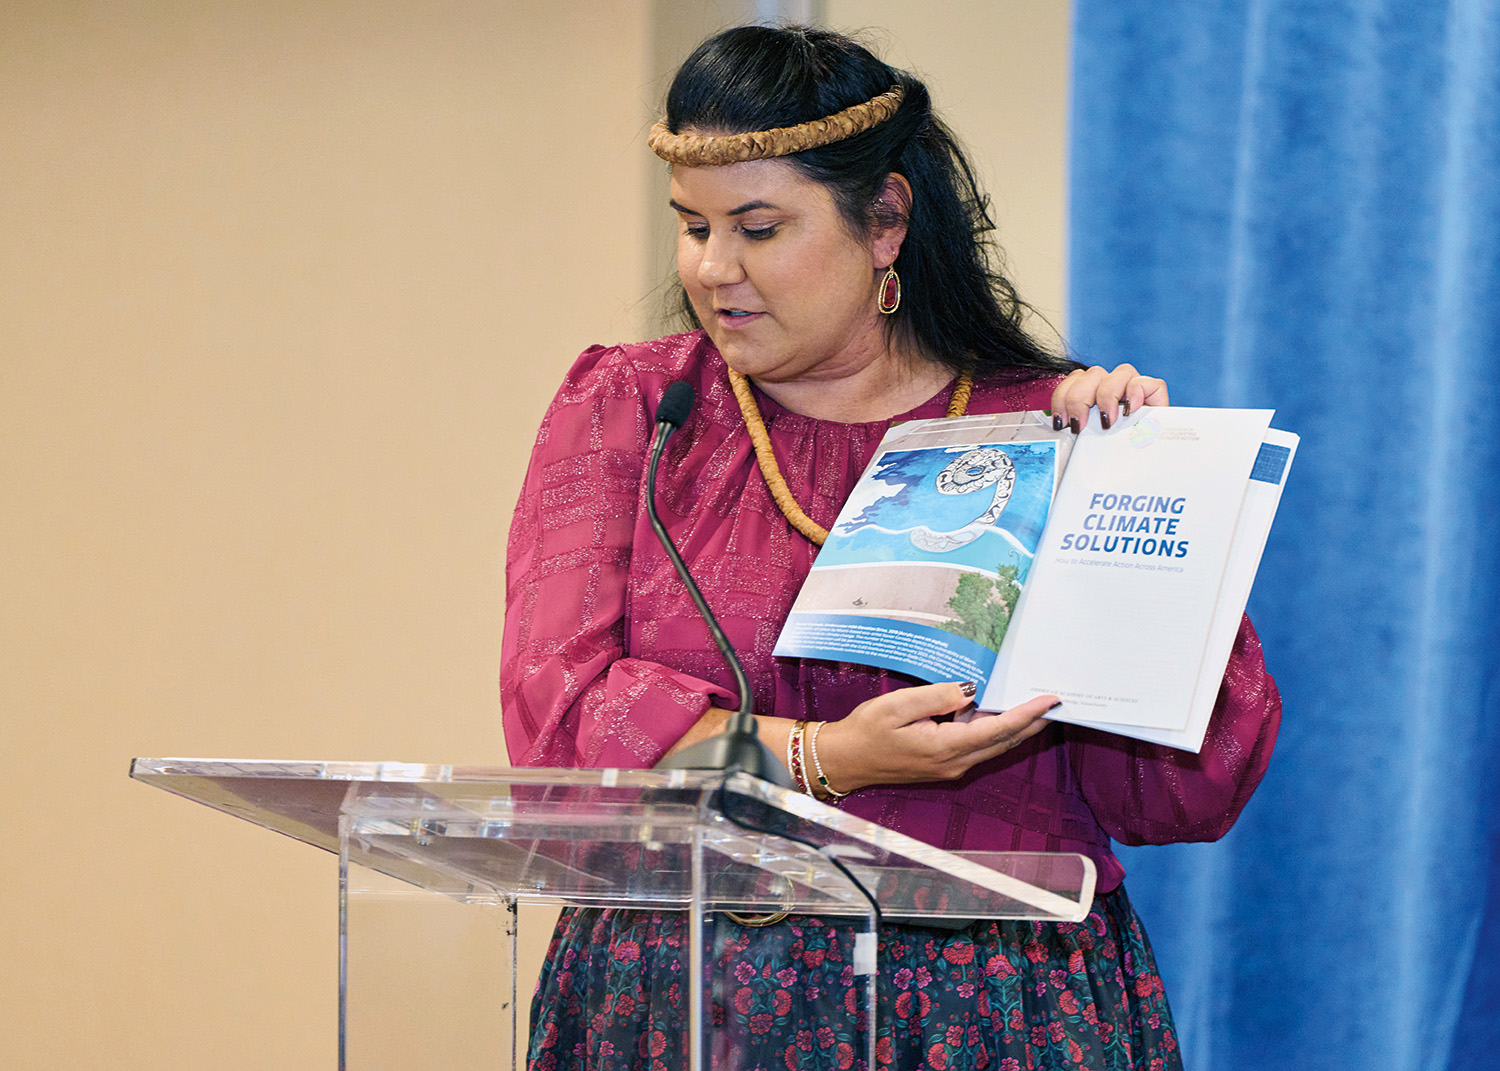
(766, 458)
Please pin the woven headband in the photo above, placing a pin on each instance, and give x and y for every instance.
(696, 149)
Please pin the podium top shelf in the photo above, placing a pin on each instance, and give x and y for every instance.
(621, 837)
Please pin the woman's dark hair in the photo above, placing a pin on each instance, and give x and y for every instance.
(956, 305)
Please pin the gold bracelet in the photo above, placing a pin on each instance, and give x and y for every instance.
(757, 920)
(770, 918)
(812, 753)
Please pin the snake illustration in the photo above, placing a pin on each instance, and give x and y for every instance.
(974, 470)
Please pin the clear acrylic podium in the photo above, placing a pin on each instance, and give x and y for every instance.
(497, 839)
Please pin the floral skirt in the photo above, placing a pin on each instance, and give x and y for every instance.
(1000, 995)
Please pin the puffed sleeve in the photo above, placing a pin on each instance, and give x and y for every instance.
(570, 694)
(1148, 794)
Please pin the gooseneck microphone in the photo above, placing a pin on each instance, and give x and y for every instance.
(738, 747)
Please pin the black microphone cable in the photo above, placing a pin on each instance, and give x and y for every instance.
(672, 411)
(738, 746)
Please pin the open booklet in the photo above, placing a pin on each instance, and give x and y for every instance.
(1110, 569)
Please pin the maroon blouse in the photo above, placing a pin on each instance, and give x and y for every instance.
(606, 663)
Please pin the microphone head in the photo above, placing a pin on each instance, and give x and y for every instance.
(675, 405)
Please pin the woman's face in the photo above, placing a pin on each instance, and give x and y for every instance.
(783, 288)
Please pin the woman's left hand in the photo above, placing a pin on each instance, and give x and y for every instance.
(1124, 389)
(896, 737)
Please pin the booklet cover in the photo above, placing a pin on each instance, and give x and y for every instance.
(924, 566)
(1133, 575)
(966, 553)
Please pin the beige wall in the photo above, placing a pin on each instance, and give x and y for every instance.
(998, 71)
(284, 288)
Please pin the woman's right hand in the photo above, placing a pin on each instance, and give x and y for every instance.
(894, 739)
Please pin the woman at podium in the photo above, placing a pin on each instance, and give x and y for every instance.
(833, 253)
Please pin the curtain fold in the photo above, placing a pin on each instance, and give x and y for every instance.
(1296, 204)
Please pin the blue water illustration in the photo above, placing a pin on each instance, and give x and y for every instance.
(892, 515)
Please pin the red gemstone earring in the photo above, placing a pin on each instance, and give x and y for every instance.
(890, 291)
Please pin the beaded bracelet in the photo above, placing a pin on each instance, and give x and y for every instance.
(794, 757)
(812, 752)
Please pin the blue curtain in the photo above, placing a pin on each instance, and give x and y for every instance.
(1296, 204)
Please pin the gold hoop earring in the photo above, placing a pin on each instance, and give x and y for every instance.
(890, 292)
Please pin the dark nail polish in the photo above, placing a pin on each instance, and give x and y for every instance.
(969, 688)
(1057, 422)
(1074, 425)
(1104, 421)
(1126, 403)
(1053, 707)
